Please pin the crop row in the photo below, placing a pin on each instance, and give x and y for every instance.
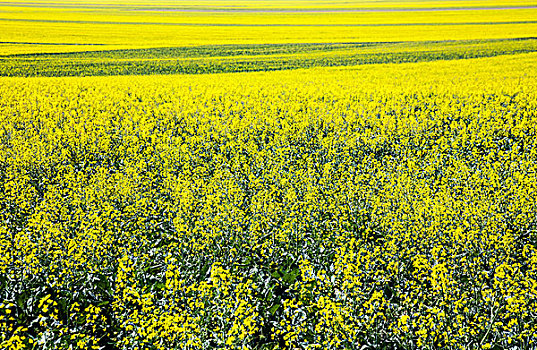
(244, 58)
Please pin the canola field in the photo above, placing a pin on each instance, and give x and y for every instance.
(296, 175)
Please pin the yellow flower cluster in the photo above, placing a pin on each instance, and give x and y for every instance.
(380, 206)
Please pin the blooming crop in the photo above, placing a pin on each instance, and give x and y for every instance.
(380, 205)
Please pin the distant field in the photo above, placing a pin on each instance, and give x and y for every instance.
(259, 57)
(182, 24)
(162, 31)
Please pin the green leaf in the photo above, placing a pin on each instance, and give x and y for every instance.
(290, 277)
(274, 308)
